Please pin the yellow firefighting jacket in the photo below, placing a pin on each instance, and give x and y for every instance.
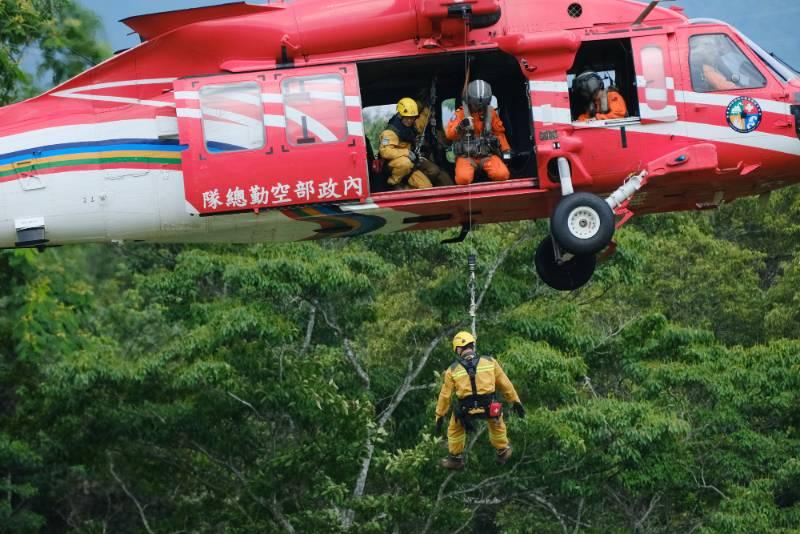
(391, 147)
(488, 376)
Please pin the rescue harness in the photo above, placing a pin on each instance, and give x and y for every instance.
(476, 406)
(482, 144)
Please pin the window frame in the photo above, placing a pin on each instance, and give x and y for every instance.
(286, 105)
(203, 121)
(764, 79)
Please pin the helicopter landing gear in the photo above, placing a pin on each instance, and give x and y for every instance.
(563, 271)
(582, 224)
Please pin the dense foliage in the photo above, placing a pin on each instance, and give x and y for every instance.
(291, 388)
(54, 37)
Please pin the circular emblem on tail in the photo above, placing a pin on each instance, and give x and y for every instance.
(744, 114)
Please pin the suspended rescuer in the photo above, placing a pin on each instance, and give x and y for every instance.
(474, 379)
(479, 138)
(408, 168)
(603, 104)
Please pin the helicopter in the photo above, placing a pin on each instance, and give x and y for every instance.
(245, 123)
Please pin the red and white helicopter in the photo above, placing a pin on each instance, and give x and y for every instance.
(243, 123)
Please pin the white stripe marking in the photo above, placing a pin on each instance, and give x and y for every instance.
(118, 99)
(314, 126)
(271, 98)
(355, 128)
(723, 100)
(80, 133)
(187, 95)
(126, 83)
(352, 101)
(189, 113)
(79, 92)
(668, 113)
(548, 114)
(275, 121)
(659, 95)
(212, 114)
(723, 134)
(694, 130)
(546, 86)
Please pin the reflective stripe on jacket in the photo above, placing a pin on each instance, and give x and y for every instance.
(489, 376)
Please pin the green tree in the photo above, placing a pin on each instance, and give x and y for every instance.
(61, 34)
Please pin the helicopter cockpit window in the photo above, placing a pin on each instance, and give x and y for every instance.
(233, 117)
(717, 64)
(315, 109)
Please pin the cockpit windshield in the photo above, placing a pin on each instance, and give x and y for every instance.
(782, 69)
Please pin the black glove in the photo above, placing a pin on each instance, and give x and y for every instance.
(465, 123)
(439, 424)
(412, 156)
(519, 409)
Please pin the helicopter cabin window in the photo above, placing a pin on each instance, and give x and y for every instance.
(315, 109)
(233, 117)
(602, 82)
(717, 64)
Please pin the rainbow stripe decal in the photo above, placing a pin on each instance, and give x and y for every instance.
(114, 153)
(335, 222)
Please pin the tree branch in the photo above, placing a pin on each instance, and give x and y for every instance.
(348, 349)
(411, 375)
(312, 320)
(273, 506)
(650, 508)
(553, 510)
(493, 270)
(128, 493)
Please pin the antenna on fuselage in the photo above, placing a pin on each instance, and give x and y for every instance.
(649, 9)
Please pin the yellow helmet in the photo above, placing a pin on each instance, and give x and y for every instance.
(462, 339)
(407, 107)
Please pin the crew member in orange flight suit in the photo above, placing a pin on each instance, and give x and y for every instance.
(479, 138)
(474, 379)
(604, 104)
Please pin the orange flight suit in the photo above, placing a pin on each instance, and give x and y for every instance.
(492, 165)
(488, 376)
(716, 80)
(617, 109)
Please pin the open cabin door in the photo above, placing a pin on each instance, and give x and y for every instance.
(272, 139)
(655, 81)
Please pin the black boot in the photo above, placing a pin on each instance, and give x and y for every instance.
(503, 455)
(454, 463)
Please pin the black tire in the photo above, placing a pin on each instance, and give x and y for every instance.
(582, 224)
(565, 277)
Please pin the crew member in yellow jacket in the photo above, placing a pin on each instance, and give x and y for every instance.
(474, 379)
(398, 140)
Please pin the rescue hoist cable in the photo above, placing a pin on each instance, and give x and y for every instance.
(472, 261)
(472, 258)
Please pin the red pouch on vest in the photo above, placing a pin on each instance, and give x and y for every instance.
(495, 409)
